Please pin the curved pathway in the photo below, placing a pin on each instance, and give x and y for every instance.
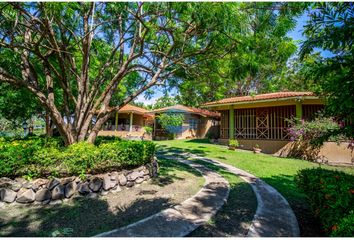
(183, 218)
(273, 218)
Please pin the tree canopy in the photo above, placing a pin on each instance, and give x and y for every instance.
(331, 28)
(83, 61)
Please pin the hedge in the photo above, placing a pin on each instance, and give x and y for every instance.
(331, 196)
(40, 157)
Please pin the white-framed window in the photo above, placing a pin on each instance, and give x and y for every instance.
(193, 124)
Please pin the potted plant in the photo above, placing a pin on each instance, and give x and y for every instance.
(233, 144)
(257, 149)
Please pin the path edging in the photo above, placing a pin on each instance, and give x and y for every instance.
(182, 219)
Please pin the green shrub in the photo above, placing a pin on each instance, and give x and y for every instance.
(42, 158)
(233, 143)
(331, 196)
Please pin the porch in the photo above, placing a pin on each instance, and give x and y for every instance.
(127, 123)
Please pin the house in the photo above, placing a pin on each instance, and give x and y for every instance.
(262, 119)
(128, 122)
(198, 123)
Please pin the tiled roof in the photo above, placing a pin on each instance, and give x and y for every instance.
(182, 108)
(134, 109)
(276, 95)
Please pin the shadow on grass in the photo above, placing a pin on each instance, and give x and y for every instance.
(167, 171)
(84, 217)
(164, 149)
(236, 215)
(309, 225)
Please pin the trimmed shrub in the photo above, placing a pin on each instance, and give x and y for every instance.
(43, 158)
(331, 196)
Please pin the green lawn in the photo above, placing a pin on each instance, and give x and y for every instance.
(278, 172)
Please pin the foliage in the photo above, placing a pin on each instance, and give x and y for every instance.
(171, 122)
(331, 196)
(233, 143)
(42, 157)
(252, 65)
(164, 101)
(330, 28)
(84, 61)
(148, 130)
(316, 131)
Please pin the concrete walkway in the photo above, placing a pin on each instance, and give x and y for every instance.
(183, 218)
(274, 216)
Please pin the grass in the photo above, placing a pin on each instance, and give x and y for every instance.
(278, 172)
(88, 217)
(235, 217)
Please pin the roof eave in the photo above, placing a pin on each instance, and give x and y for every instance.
(261, 101)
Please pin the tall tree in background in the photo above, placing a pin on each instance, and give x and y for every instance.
(261, 51)
(331, 28)
(79, 58)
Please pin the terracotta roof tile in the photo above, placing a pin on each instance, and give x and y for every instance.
(131, 108)
(182, 108)
(276, 95)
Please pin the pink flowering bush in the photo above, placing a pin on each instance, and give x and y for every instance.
(316, 131)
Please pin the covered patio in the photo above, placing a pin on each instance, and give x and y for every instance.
(128, 122)
(262, 119)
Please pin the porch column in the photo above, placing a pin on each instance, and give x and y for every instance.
(116, 122)
(231, 122)
(131, 123)
(298, 104)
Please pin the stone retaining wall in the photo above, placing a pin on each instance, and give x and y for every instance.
(44, 191)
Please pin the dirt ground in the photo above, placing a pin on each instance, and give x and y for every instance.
(88, 217)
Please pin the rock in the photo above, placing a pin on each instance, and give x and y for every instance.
(134, 175)
(25, 196)
(104, 193)
(27, 185)
(116, 189)
(122, 180)
(53, 183)
(40, 182)
(114, 176)
(20, 180)
(58, 192)
(43, 195)
(139, 180)
(70, 189)
(77, 180)
(92, 195)
(5, 182)
(95, 184)
(146, 171)
(45, 202)
(83, 188)
(130, 184)
(15, 186)
(56, 202)
(146, 177)
(67, 180)
(7, 195)
(108, 183)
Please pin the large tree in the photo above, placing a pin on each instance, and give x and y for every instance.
(261, 51)
(82, 61)
(330, 28)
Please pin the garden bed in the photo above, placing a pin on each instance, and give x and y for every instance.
(37, 157)
(80, 216)
(40, 170)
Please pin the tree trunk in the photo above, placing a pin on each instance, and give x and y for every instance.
(48, 125)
